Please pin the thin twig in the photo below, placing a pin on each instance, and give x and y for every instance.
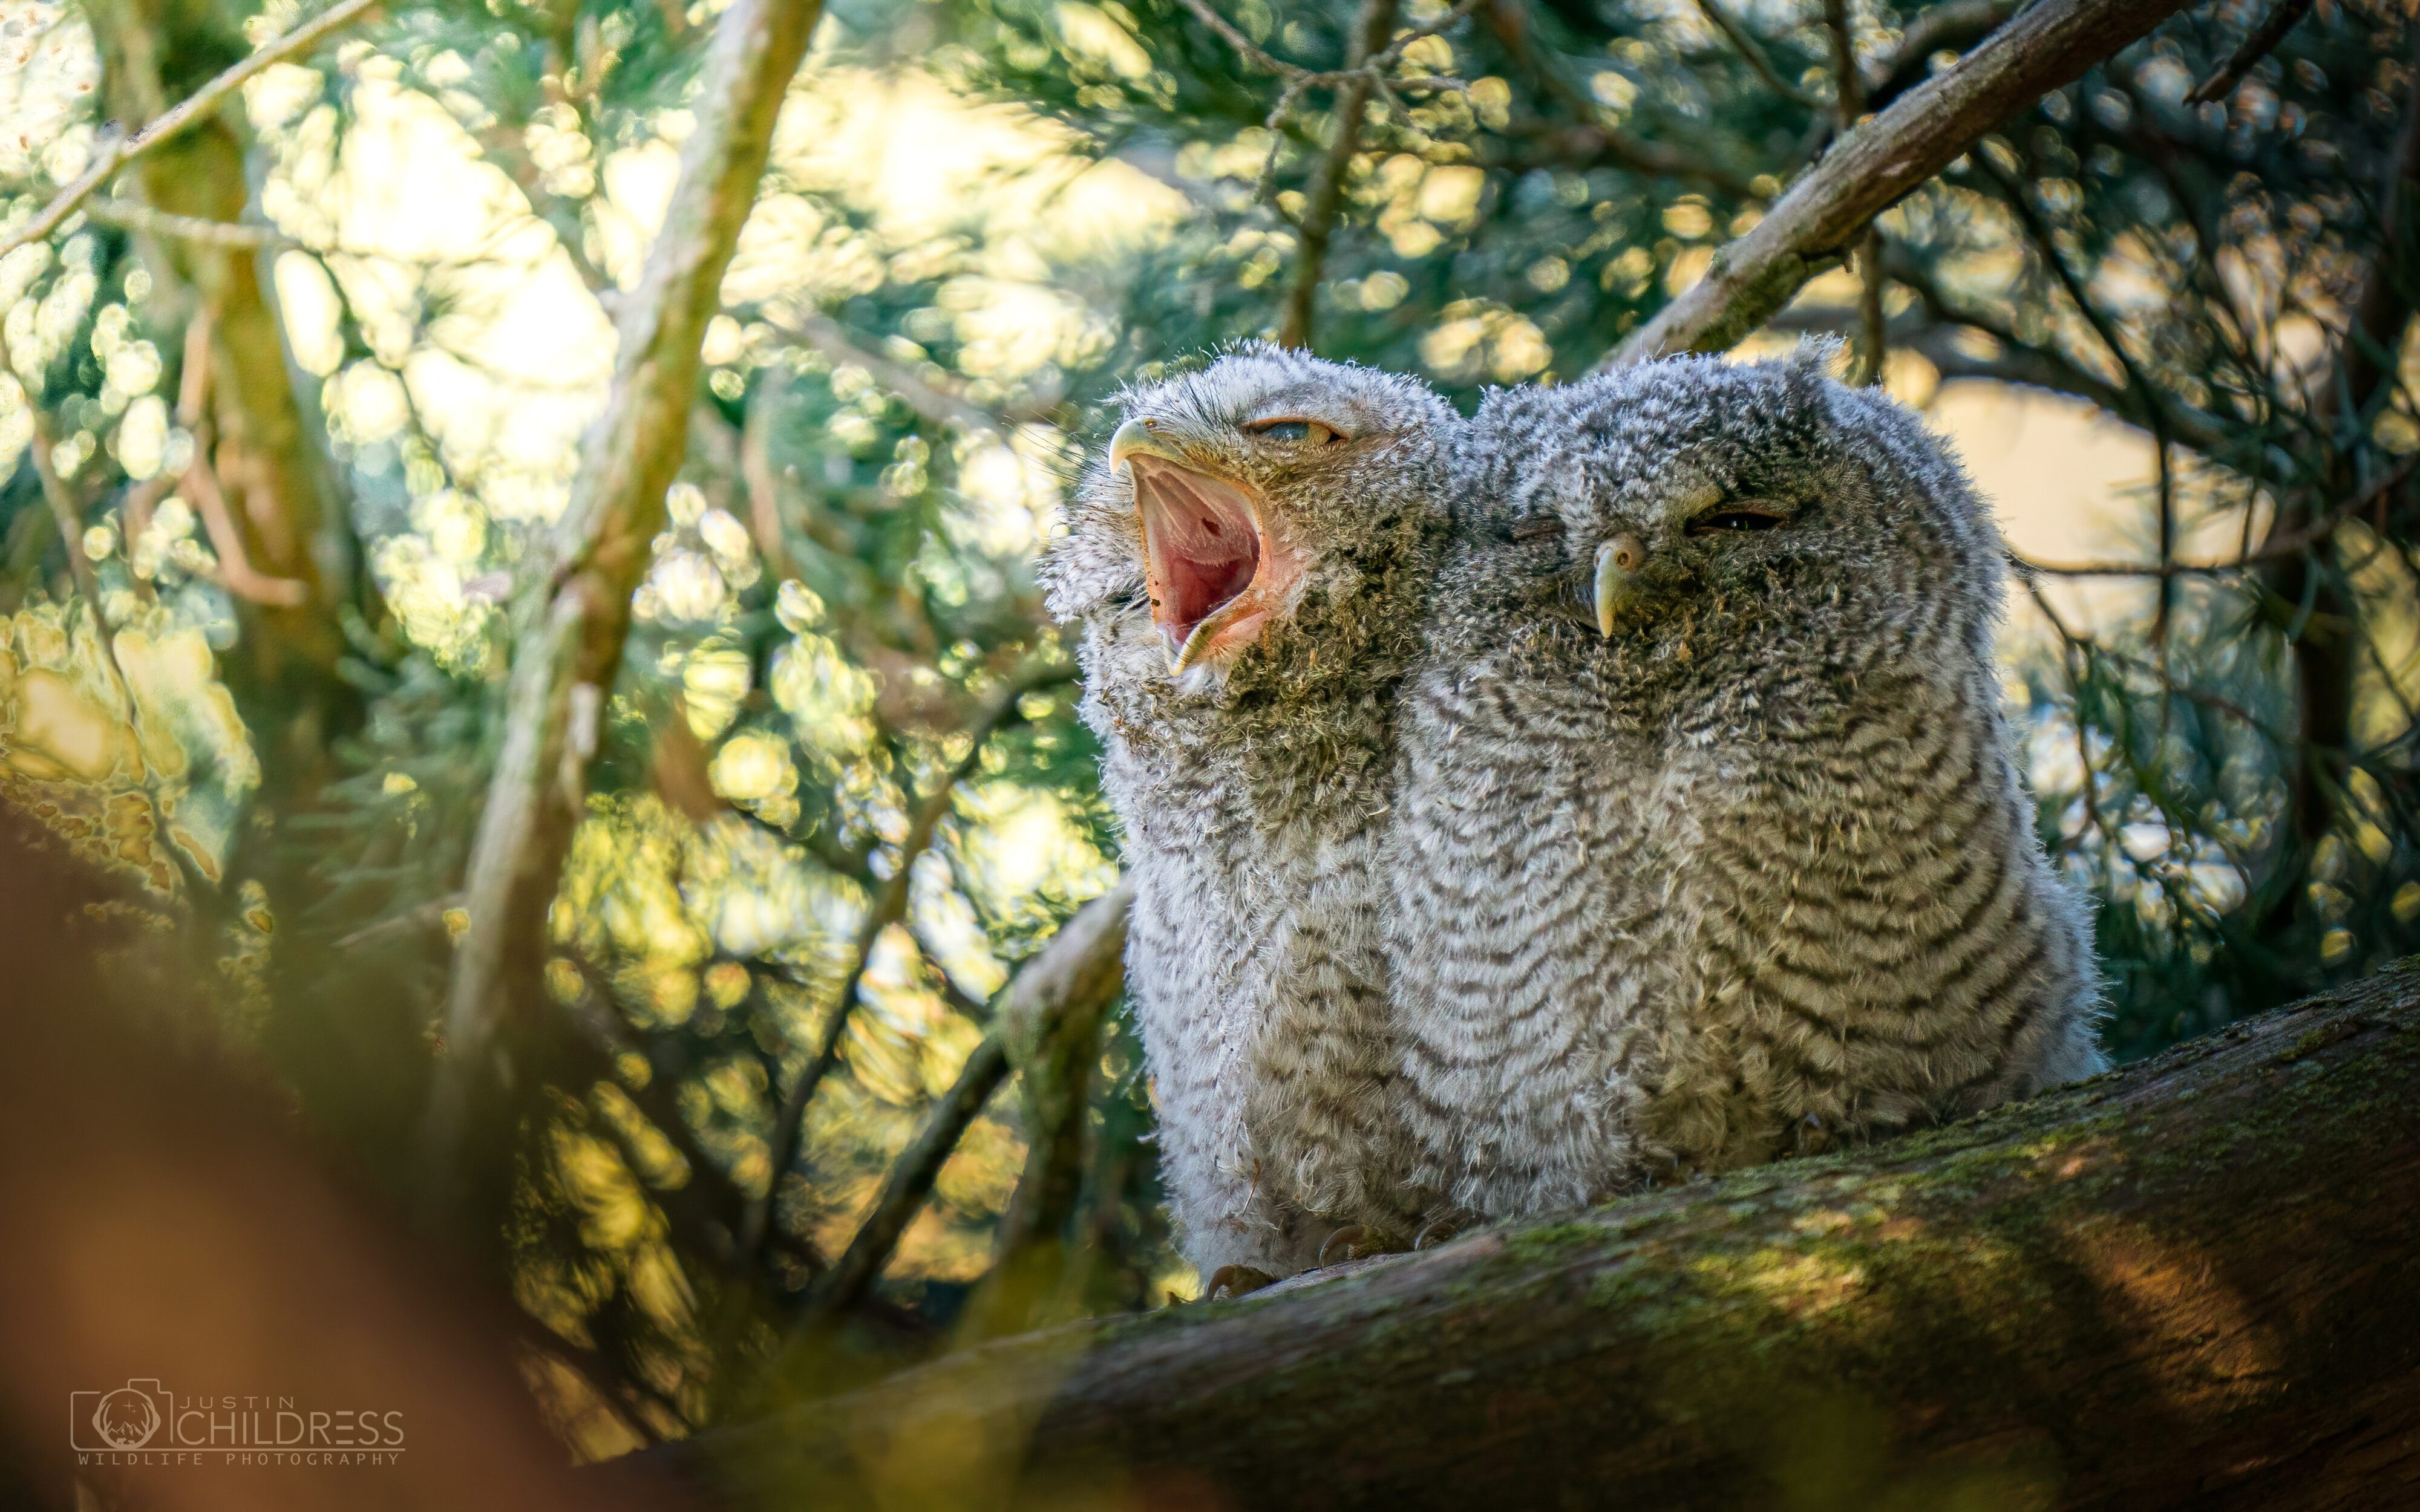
(1079, 971)
(2072, 649)
(2276, 549)
(889, 907)
(1362, 76)
(911, 1178)
(1848, 105)
(70, 527)
(2264, 40)
(830, 338)
(756, 471)
(1376, 19)
(2154, 412)
(200, 489)
(1754, 54)
(116, 154)
(138, 217)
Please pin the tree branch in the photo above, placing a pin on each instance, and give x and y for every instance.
(115, 154)
(1952, 27)
(2193, 1283)
(1758, 63)
(575, 613)
(1850, 82)
(2264, 39)
(138, 217)
(1375, 20)
(69, 522)
(2275, 549)
(889, 907)
(828, 336)
(2154, 412)
(1880, 161)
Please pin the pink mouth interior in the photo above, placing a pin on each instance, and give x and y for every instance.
(1201, 548)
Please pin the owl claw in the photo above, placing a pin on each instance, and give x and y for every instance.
(1436, 1231)
(1235, 1281)
(1355, 1241)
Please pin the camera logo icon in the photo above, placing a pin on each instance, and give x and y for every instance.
(127, 1418)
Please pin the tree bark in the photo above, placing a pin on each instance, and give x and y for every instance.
(2193, 1283)
(575, 613)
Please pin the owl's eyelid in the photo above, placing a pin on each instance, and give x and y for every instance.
(1771, 509)
(1262, 425)
(1537, 530)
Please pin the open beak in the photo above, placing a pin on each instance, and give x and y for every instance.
(1618, 563)
(1214, 576)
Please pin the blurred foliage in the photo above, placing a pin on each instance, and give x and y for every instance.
(982, 218)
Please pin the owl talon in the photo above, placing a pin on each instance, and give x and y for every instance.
(1436, 1231)
(1235, 1281)
(1355, 1241)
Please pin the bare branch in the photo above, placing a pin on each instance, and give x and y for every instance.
(1847, 107)
(1754, 54)
(1326, 194)
(2275, 549)
(938, 404)
(1653, 1352)
(1880, 161)
(889, 907)
(1076, 976)
(138, 217)
(114, 154)
(573, 616)
(1952, 27)
(2264, 39)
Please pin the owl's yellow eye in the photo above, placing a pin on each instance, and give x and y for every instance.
(1738, 514)
(1309, 431)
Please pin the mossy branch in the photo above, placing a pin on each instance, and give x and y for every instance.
(2192, 1283)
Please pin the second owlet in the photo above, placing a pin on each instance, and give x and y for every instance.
(1250, 567)
(1712, 843)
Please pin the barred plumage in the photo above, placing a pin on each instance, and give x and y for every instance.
(1252, 785)
(1744, 866)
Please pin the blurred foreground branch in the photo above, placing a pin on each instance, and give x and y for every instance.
(2193, 1283)
(575, 611)
(1878, 164)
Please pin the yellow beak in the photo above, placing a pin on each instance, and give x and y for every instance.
(1138, 438)
(1618, 562)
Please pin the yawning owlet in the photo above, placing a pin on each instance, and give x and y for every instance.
(1712, 846)
(1249, 562)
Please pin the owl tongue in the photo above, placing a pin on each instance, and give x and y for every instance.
(1202, 551)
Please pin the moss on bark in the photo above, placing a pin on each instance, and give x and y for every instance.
(2193, 1283)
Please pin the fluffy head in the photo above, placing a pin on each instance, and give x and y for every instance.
(1656, 513)
(1242, 509)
